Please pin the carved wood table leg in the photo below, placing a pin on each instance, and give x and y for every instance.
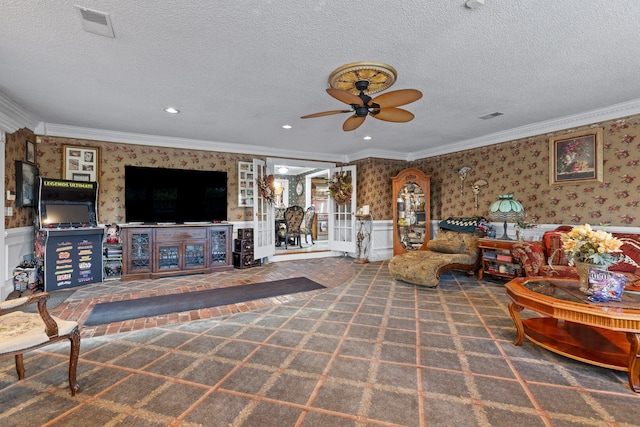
(634, 361)
(73, 361)
(515, 310)
(20, 366)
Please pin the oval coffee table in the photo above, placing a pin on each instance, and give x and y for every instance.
(602, 334)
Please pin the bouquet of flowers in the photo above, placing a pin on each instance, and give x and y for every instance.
(267, 188)
(583, 244)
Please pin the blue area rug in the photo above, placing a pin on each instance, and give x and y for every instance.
(118, 311)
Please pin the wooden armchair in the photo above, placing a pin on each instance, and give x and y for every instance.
(21, 332)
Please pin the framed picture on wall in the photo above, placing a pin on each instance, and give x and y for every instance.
(246, 184)
(26, 175)
(80, 163)
(576, 157)
(30, 152)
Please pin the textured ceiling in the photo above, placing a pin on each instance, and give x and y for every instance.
(239, 70)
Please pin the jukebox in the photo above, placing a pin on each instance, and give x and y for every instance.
(68, 241)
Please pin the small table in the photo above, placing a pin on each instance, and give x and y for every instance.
(363, 243)
(491, 264)
(602, 334)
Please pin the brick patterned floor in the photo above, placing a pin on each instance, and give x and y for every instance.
(326, 271)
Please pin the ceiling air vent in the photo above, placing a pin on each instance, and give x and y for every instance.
(96, 22)
(491, 116)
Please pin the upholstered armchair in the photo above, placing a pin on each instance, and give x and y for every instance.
(292, 220)
(306, 229)
(23, 331)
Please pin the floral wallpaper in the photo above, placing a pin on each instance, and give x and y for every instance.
(520, 167)
(115, 156)
(16, 149)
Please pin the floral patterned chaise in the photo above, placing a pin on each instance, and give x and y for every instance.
(451, 250)
(546, 257)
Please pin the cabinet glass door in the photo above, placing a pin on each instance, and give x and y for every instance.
(168, 257)
(411, 223)
(194, 255)
(219, 251)
(140, 252)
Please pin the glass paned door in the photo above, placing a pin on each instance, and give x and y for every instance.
(342, 213)
(264, 241)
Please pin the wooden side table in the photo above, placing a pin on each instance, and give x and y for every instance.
(496, 259)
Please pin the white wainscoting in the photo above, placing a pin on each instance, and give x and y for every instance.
(18, 244)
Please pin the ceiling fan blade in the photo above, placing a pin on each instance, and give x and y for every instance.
(397, 115)
(325, 113)
(397, 98)
(353, 123)
(346, 97)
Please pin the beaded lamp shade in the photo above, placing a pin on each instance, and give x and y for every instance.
(506, 209)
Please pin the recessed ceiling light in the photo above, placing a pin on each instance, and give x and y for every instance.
(171, 110)
(366, 138)
(283, 170)
(286, 126)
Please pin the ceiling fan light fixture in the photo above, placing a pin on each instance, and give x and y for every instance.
(378, 75)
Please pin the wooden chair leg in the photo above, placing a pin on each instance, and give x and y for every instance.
(20, 366)
(73, 361)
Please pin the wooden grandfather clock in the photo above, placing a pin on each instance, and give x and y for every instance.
(411, 214)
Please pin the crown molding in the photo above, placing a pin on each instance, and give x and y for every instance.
(378, 154)
(53, 129)
(592, 117)
(611, 112)
(13, 117)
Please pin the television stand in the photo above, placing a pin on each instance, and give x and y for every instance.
(154, 251)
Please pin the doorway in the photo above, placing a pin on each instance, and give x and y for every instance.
(305, 184)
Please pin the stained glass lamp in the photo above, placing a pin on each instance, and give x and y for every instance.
(506, 209)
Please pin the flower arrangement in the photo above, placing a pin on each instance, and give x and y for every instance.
(267, 188)
(340, 188)
(570, 157)
(583, 244)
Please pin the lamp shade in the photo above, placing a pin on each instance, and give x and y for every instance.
(506, 209)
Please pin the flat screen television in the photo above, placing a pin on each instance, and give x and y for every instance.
(161, 195)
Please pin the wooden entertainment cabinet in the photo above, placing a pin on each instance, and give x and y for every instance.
(153, 251)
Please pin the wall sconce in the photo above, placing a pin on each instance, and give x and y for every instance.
(462, 174)
(476, 187)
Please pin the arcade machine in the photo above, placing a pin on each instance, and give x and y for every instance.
(68, 241)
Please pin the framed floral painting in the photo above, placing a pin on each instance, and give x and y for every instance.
(576, 157)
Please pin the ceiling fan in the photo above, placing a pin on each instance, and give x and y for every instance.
(382, 107)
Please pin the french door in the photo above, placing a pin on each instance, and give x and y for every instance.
(342, 217)
(264, 242)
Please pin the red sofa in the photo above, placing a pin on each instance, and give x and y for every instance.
(534, 257)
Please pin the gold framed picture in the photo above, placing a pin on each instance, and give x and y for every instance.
(80, 163)
(576, 157)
